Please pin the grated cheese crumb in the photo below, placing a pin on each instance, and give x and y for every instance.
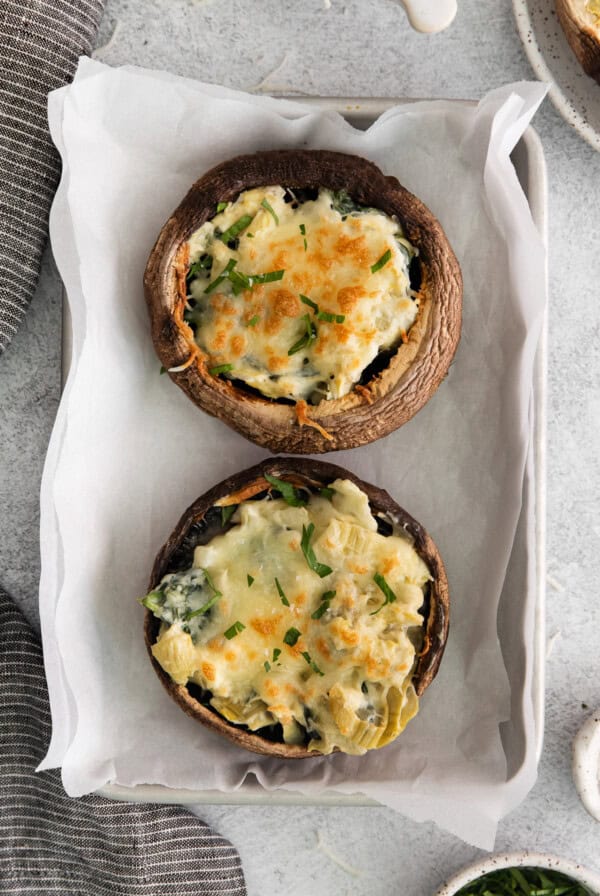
(554, 583)
(551, 642)
(328, 851)
(100, 52)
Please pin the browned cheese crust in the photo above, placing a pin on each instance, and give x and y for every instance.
(583, 39)
(313, 475)
(368, 412)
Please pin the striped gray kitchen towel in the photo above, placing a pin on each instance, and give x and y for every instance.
(50, 843)
(40, 43)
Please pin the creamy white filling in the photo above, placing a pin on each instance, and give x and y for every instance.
(353, 266)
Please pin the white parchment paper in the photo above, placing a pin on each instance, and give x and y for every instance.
(129, 451)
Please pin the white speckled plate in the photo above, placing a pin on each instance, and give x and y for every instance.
(575, 94)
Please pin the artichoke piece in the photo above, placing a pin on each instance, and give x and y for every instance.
(401, 709)
(396, 711)
(293, 733)
(254, 713)
(344, 704)
(175, 652)
(349, 539)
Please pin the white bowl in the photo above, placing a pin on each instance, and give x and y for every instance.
(586, 764)
(525, 859)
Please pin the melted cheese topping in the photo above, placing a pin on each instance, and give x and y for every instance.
(326, 654)
(326, 255)
(593, 8)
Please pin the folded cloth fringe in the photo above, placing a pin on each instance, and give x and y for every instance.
(41, 41)
(92, 846)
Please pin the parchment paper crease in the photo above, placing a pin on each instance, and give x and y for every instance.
(129, 451)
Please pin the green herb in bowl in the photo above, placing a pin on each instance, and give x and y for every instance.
(524, 882)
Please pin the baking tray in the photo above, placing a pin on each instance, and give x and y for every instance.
(530, 166)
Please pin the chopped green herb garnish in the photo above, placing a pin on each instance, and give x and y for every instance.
(524, 882)
(224, 275)
(276, 654)
(236, 228)
(153, 601)
(203, 609)
(381, 583)
(253, 321)
(320, 568)
(250, 236)
(227, 513)
(206, 607)
(241, 281)
(323, 315)
(284, 599)
(270, 277)
(382, 261)
(162, 370)
(286, 490)
(210, 582)
(320, 611)
(234, 630)
(310, 303)
(221, 207)
(221, 368)
(331, 318)
(309, 336)
(268, 207)
(250, 580)
(327, 492)
(303, 232)
(326, 599)
(311, 663)
(291, 636)
(267, 666)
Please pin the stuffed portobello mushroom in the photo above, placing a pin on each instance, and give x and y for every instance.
(580, 20)
(306, 299)
(297, 611)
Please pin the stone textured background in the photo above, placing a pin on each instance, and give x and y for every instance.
(360, 48)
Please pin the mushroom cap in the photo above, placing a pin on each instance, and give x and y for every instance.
(177, 553)
(393, 394)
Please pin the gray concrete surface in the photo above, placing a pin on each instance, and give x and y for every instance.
(349, 47)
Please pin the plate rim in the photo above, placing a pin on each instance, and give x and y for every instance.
(563, 105)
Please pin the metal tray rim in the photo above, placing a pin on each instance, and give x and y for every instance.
(367, 109)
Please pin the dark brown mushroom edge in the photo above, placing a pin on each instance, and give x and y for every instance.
(391, 388)
(348, 677)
